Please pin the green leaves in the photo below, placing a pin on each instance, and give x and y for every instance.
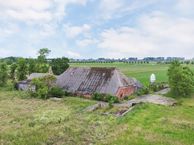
(59, 65)
(3, 74)
(22, 69)
(181, 79)
(43, 86)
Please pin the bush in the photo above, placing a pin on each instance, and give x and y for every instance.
(129, 97)
(105, 97)
(68, 93)
(56, 92)
(143, 91)
(181, 79)
(157, 86)
(110, 102)
(43, 86)
(41, 93)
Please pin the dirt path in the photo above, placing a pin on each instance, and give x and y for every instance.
(163, 92)
(156, 98)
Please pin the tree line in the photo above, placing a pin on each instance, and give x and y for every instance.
(17, 69)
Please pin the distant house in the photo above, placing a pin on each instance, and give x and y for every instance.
(25, 85)
(86, 81)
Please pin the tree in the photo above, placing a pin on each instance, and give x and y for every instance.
(32, 66)
(59, 65)
(13, 68)
(3, 74)
(43, 53)
(42, 65)
(43, 86)
(22, 69)
(181, 79)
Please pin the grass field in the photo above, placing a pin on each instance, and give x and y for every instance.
(140, 71)
(27, 121)
(39, 122)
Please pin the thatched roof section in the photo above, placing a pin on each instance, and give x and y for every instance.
(90, 80)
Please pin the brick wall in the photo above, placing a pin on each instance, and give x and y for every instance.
(125, 91)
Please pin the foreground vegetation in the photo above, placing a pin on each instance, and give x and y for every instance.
(36, 122)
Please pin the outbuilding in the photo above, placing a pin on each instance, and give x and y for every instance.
(25, 85)
(87, 81)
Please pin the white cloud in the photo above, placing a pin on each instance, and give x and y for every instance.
(156, 34)
(25, 4)
(86, 42)
(47, 30)
(111, 9)
(4, 52)
(124, 41)
(12, 51)
(8, 29)
(35, 11)
(60, 5)
(72, 54)
(185, 6)
(74, 31)
(26, 10)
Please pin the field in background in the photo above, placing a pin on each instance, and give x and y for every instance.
(141, 72)
(38, 122)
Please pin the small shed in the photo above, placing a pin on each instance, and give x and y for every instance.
(25, 85)
(87, 81)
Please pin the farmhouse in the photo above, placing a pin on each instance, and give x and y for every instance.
(86, 81)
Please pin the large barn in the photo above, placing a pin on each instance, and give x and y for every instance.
(86, 81)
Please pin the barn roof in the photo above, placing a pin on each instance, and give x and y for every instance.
(90, 80)
(37, 75)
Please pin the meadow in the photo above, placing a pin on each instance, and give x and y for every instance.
(29, 121)
(141, 72)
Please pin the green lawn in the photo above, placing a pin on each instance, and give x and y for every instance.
(39, 122)
(140, 71)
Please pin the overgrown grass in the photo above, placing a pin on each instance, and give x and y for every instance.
(151, 124)
(36, 122)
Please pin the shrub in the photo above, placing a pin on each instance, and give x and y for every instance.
(154, 87)
(110, 103)
(68, 93)
(41, 90)
(129, 97)
(43, 93)
(143, 91)
(56, 92)
(105, 97)
(157, 86)
(43, 86)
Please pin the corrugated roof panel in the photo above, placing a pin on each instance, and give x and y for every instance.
(90, 80)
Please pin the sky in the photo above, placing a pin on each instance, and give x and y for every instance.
(97, 28)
